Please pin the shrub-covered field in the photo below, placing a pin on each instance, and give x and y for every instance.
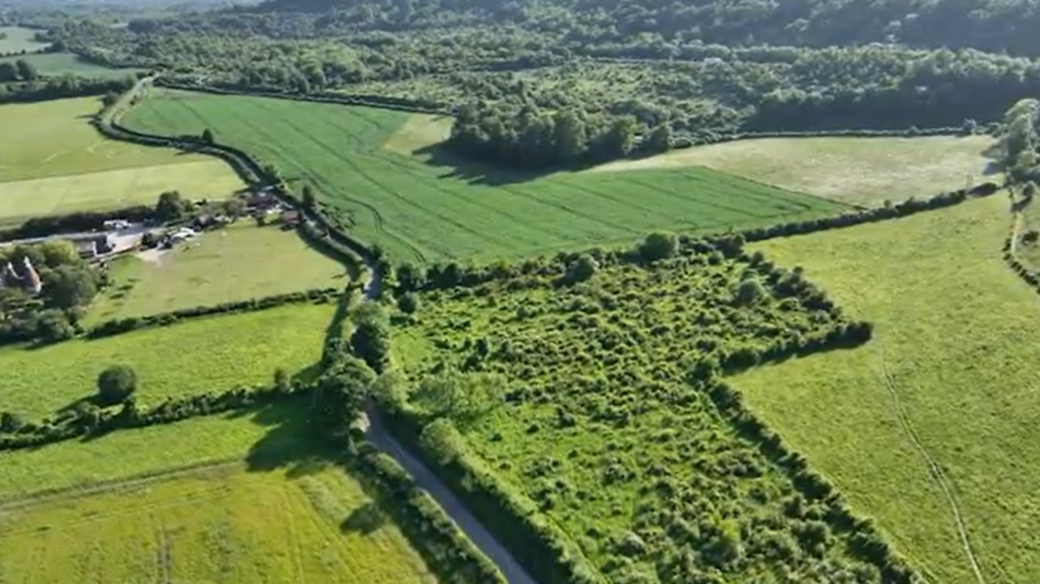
(197, 356)
(209, 499)
(857, 170)
(600, 429)
(236, 263)
(53, 161)
(423, 208)
(61, 64)
(953, 361)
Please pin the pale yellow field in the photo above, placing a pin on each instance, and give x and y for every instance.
(956, 335)
(418, 132)
(859, 170)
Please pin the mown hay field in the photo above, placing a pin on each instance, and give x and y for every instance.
(956, 334)
(239, 262)
(855, 170)
(14, 39)
(206, 500)
(191, 357)
(423, 208)
(53, 161)
(61, 64)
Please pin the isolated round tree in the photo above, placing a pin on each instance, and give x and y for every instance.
(115, 384)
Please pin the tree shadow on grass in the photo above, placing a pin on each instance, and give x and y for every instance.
(293, 441)
(457, 167)
(365, 520)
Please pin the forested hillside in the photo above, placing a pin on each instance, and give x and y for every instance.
(662, 73)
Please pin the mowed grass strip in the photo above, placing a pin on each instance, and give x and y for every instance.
(61, 64)
(242, 498)
(113, 189)
(195, 356)
(239, 262)
(956, 330)
(420, 208)
(857, 170)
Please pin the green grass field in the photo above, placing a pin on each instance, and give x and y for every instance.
(856, 170)
(61, 64)
(239, 262)
(956, 332)
(187, 358)
(15, 39)
(420, 208)
(205, 500)
(53, 161)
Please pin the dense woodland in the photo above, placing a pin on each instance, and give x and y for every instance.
(540, 84)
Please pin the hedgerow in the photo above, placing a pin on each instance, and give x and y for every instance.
(125, 325)
(446, 550)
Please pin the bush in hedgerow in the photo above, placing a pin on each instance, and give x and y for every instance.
(115, 384)
(408, 303)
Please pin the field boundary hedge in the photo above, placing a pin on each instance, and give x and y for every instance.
(446, 550)
(403, 104)
(125, 325)
(97, 422)
(548, 554)
(1031, 277)
(74, 222)
(866, 540)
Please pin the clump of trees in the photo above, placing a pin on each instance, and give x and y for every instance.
(524, 135)
(68, 285)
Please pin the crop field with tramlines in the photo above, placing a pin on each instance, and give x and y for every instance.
(931, 428)
(425, 207)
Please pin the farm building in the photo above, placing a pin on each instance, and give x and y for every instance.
(91, 245)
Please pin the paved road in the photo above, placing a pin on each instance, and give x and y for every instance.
(474, 529)
(459, 514)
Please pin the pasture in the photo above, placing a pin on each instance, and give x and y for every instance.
(590, 418)
(950, 376)
(243, 499)
(53, 161)
(62, 64)
(196, 356)
(427, 207)
(853, 170)
(15, 39)
(239, 262)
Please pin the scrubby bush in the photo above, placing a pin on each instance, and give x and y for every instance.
(408, 303)
(658, 246)
(584, 268)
